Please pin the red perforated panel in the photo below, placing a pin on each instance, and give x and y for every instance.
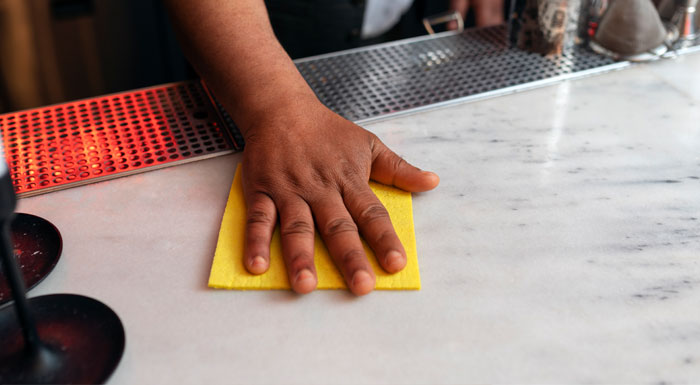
(80, 142)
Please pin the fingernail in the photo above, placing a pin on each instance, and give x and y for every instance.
(304, 282)
(304, 275)
(259, 261)
(394, 261)
(258, 265)
(362, 282)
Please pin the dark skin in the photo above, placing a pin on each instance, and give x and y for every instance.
(303, 165)
(486, 12)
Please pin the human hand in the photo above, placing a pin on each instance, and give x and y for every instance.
(486, 12)
(306, 164)
(301, 161)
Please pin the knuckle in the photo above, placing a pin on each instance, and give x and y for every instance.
(321, 176)
(259, 217)
(299, 262)
(352, 257)
(351, 170)
(339, 226)
(384, 237)
(371, 213)
(297, 227)
(261, 183)
(294, 181)
(256, 239)
(398, 163)
(392, 162)
(375, 144)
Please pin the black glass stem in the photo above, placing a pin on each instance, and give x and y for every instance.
(8, 201)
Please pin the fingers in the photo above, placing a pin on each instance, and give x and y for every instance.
(261, 219)
(390, 169)
(338, 230)
(339, 233)
(376, 228)
(297, 231)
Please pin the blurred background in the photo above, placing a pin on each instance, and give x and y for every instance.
(58, 50)
(53, 51)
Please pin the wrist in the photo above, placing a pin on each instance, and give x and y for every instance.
(274, 112)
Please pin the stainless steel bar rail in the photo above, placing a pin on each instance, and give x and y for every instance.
(105, 137)
(386, 80)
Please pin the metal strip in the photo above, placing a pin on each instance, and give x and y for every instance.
(87, 181)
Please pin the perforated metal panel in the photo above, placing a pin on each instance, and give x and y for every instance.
(105, 137)
(70, 144)
(381, 81)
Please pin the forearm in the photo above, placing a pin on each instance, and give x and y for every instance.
(232, 46)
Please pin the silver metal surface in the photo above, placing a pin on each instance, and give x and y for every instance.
(383, 81)
(685, 50)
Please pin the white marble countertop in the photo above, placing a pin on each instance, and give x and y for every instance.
(562, 246)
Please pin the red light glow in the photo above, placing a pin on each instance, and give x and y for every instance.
(74, 143)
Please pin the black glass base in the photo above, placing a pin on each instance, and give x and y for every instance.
(82, 341)
(37, 247)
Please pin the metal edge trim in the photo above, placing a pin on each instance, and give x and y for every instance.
(215, 106)
(103, 96)
(687, 50)
(118, 175)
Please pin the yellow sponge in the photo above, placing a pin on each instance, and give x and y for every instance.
(228, 271)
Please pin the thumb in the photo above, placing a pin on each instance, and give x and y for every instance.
(390, 169)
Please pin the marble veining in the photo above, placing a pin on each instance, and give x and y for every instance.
(562, 246)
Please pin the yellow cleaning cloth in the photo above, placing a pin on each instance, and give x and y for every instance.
(228, 271)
